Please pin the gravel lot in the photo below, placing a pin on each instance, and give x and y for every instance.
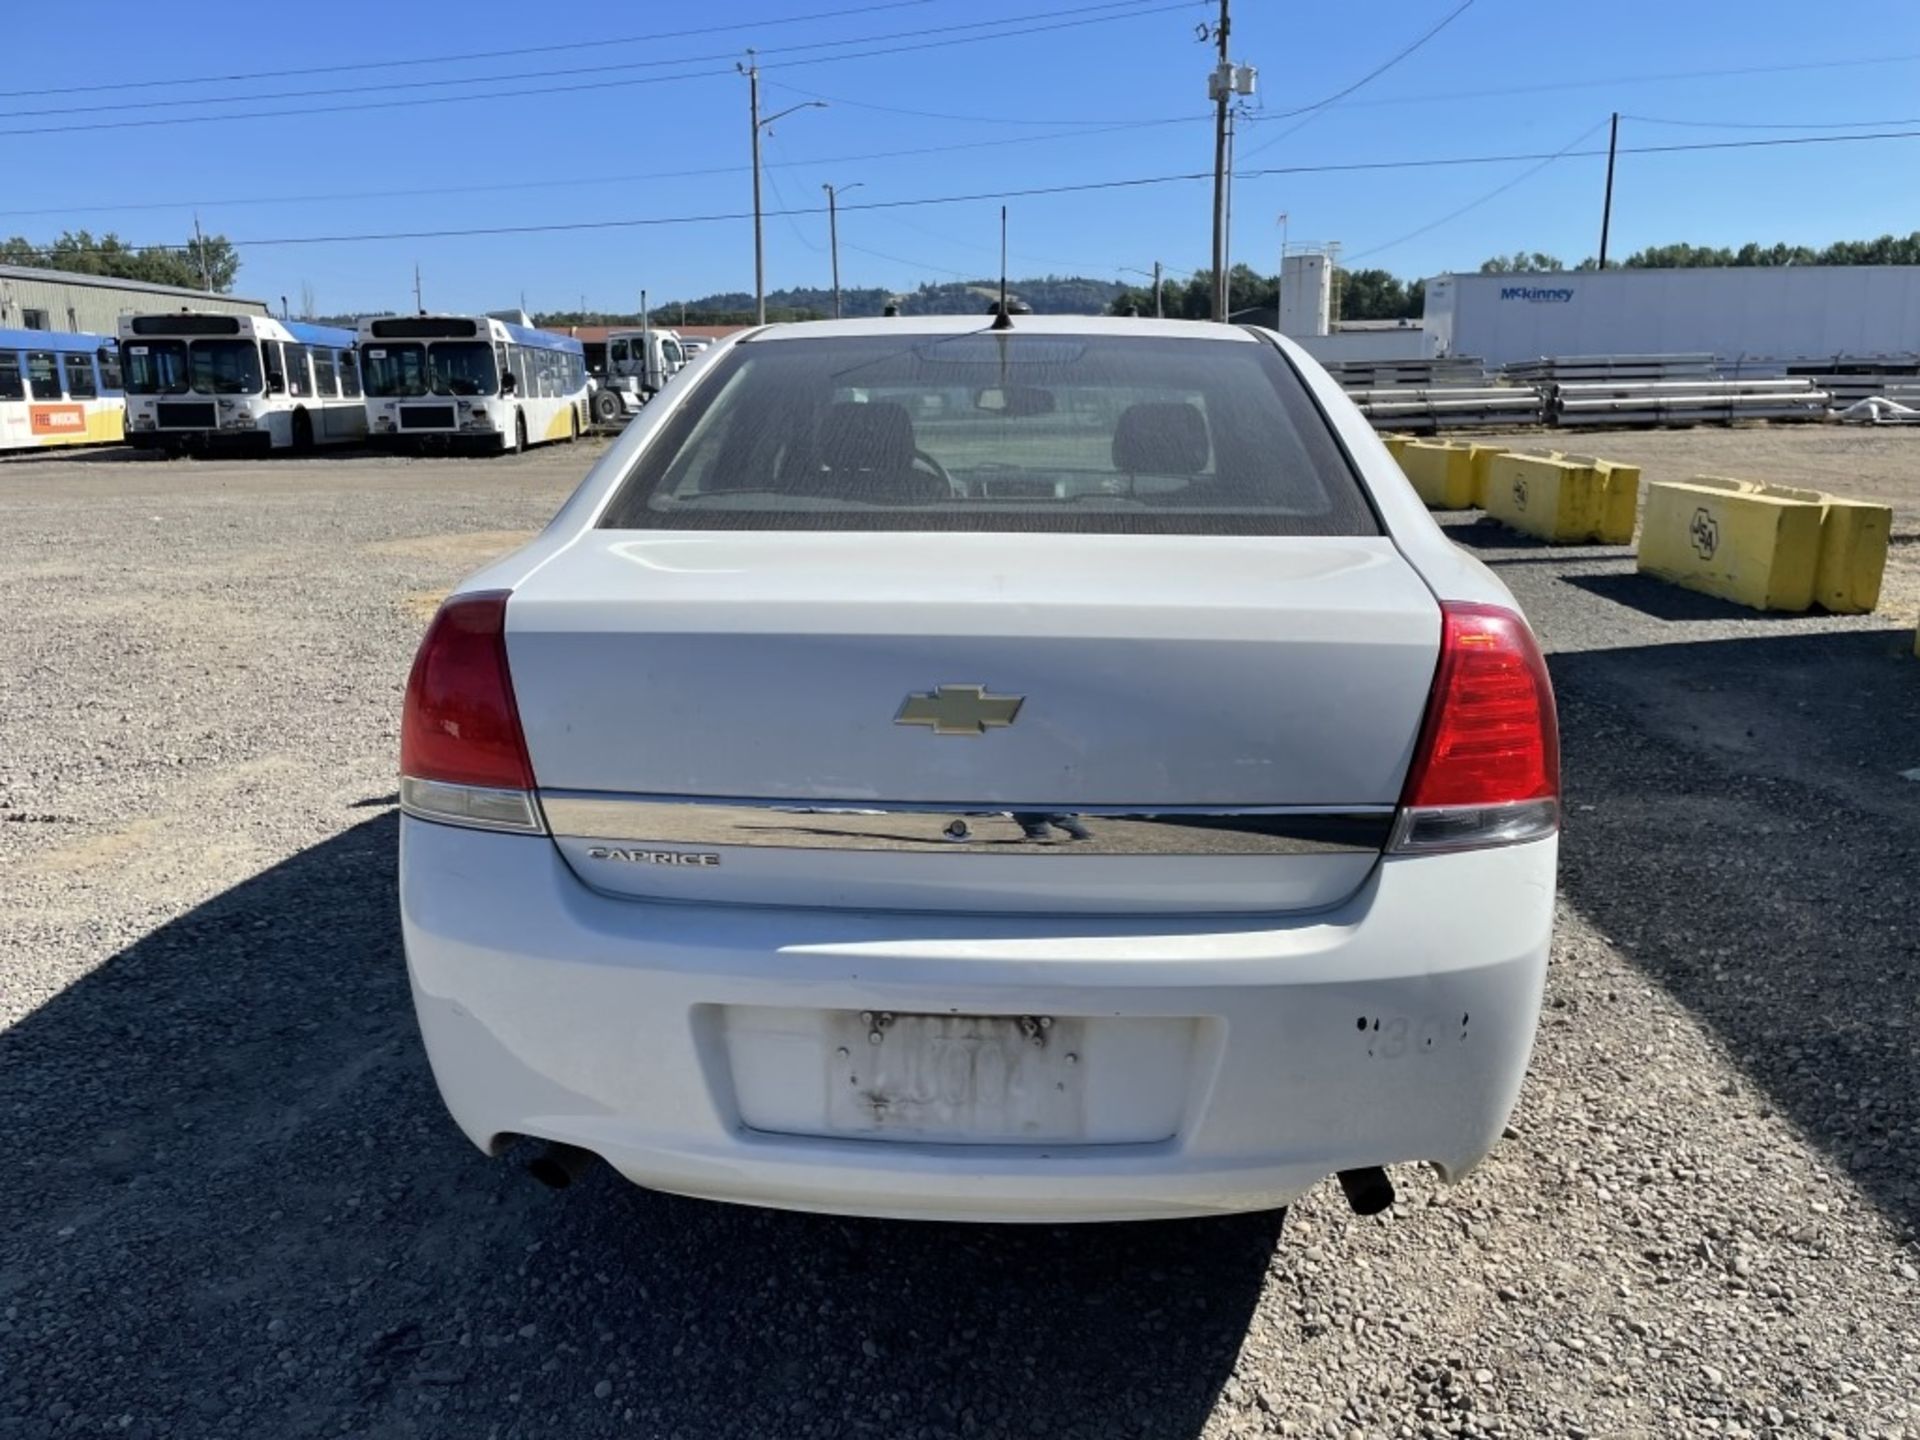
(234, 1207)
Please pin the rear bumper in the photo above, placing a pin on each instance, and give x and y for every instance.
(1394, 1028)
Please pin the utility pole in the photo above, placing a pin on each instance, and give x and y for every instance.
(419, 307)
(759, 242)
(833, 236)
(1606, 210)
(1159, 309)
(752, 71)
(1280, 279)
(1227, 81)
(1222, 101)
(200, 249)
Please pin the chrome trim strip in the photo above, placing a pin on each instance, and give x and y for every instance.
(960, 829)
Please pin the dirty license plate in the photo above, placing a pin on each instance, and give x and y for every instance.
(966, 1079)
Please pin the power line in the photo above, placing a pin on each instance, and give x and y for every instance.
(1772, 125)
(725, 55)
(515, 52)
(550, 90)
(1373, 73)
(1610, 82)
(1497, 191)
(902, 260)
(933, 114)
(499, 186)
(1334, 99)
(1084, 187)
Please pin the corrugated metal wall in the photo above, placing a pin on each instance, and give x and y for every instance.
(85, 305)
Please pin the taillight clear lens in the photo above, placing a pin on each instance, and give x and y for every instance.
(1487, 768)
(463, 758)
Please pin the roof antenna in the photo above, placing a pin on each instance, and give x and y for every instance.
(1003, 318)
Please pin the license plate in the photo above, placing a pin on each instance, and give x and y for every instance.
(967, 1079)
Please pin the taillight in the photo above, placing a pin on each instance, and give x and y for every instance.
(1487, 768)
(463, 758)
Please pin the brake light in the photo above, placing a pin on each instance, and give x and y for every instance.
(1487, 767)
(463, 757)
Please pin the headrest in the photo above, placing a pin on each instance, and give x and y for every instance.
(1160, 439)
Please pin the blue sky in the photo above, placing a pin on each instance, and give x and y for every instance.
(1063, 105)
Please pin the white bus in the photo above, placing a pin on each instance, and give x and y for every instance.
(473, 379)
(58, 389)
(198, 381)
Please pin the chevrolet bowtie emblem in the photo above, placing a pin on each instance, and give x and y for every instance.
(959, 710)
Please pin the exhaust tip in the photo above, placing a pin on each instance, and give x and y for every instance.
(1368, 1191)
(558, 1166)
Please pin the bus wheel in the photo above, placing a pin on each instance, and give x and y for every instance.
(519, 432)
(573, 424)
(302, 431)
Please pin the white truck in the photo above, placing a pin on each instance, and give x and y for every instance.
(639, 363)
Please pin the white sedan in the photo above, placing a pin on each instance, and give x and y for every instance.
(1056, 772)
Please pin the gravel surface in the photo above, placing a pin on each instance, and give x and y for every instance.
(234, 1206)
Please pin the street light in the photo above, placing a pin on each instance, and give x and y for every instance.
(833, 235)
(752, 71)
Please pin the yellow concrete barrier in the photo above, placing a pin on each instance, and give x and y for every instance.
(1441, 472)
(1853, 543)
(1556, 499)
(1396, 445)
(1619, 502)
(1483, 458)
(1725, 539)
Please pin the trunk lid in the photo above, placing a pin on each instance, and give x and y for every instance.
(1195, 678)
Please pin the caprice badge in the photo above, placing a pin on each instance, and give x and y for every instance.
(650, 857)
(960, 710)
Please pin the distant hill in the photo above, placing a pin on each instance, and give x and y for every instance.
(1047, 294)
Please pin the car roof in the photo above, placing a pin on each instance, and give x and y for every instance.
(1022, 325)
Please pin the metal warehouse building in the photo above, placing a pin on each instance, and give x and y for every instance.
(33, 299)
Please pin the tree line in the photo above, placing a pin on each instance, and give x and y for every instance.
(1886, 250)
(210, 262)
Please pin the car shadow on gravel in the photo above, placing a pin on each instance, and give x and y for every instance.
(235, 1206)
(1737, 822)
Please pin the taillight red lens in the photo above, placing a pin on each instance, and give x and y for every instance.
(461, 725)
(1490, 736)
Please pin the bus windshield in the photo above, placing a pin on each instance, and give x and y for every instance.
(155, 367)
(394, 370)
(227, 367)
(462, 367)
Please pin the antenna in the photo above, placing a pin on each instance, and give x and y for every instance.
(1003, 320)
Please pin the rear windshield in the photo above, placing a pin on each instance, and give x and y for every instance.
(999, 432)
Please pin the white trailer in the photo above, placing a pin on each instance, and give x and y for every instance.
(1783, 313)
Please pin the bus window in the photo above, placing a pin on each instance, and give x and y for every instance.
(109, 358)
(326, 383)
(12, 387)
(41, 375)
(79, 370)
(299, 381)
(522, 371)
(349, 374)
